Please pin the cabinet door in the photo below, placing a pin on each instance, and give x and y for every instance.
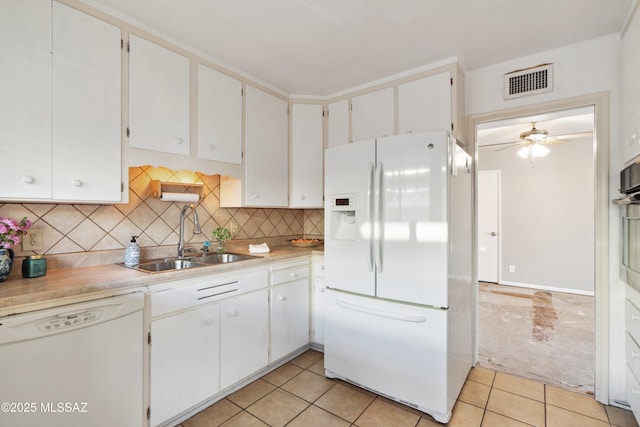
(25, 90)
(306, 156)
(267, 145)
(372, 115)
(424, 105)
(158, 98)
(289, 317)
(317, 335)
(86, 107)
(219, 116)
(185, 361)
(244, 336)
(338, 123)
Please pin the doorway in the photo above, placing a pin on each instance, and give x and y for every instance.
(598, 239)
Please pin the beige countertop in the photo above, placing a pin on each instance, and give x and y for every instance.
(69, 284)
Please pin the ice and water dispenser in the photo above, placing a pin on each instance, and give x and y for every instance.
(343, 216)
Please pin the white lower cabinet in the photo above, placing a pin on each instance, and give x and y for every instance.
(244, 336)
(289, 308)
(185, 354)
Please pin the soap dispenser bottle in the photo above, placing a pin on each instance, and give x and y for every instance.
(132, 253)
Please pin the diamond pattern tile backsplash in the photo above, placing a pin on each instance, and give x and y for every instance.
(76, 228)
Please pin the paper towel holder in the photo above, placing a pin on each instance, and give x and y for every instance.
(157, 187)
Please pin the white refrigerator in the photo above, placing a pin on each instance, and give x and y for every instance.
(400, 305)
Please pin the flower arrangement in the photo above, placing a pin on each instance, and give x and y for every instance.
(11, 231)
(221, 235)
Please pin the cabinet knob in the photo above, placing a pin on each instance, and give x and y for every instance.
(634, 391)
(293, 274)
(212, 147)
(321, 290)
(28, 179)
(233, 313)
(634, 354)
(76, 183)
(179, 141)
(634, 317)
(209, 322)
(282, 298)
(255, 195)
(302, 197)
(322, 267)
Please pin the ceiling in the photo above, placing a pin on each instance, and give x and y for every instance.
(322, 47)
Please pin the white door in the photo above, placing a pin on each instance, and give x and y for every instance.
(412, 175)
(488, 225)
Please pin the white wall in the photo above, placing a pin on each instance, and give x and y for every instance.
(547, 220)
(583, 68)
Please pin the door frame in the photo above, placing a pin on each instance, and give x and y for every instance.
(498, 266)
(600, 103)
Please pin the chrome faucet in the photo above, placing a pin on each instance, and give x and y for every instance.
(196, 227)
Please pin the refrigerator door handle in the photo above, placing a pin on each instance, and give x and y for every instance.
(370, 206)
(379, 313)
(379, 232)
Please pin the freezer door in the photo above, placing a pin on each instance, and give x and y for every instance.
(412, 256)
(349, 171)
(398, 350)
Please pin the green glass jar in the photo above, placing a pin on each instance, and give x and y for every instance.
(34, 266)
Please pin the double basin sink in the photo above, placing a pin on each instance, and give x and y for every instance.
(169, 264)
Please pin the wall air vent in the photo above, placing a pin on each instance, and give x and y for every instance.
(528, 81)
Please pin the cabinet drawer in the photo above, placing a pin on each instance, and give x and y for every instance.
(288, 275)
(204, 292)
(633, 392)
(632, 355)
(632, 320)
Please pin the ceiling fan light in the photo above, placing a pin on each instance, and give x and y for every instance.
(524, 151)
(538, 150)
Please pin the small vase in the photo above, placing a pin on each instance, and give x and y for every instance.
(6, 262)
(220, 249)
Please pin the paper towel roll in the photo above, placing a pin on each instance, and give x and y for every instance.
(179, 197)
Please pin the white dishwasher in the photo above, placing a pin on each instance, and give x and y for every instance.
(74, 365)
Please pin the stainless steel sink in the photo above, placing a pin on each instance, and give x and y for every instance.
(165, 265)
(222, 258)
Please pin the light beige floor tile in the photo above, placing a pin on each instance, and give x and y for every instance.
(344, 401)
(523, 387)
(620, 417)
(428, 422)
(318, 367)
(475, 394)
(277, 408)
(316, 417)
(558, 417)
(244, 419)
(251, 393)
(384, 414)
(517, 407)
(575, 402)
(491, 419)
(307, 359)
(214, 415)
(308, 385)
(283, 374)
(465, 415)
(481, 375)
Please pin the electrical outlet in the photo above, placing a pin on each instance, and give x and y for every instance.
(512, 268)
(233, 228)
(32, 241)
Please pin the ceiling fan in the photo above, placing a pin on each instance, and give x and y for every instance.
(533, 142)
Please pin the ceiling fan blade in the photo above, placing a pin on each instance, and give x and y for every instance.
(552, 141)
(511, 145)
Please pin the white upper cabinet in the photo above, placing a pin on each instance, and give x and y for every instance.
(373, 115)
(424, 105)
(25, 90)
(158, 98)
(86, 107)
(306, 156)
(266, 174)
(338, 123)
(219, 116)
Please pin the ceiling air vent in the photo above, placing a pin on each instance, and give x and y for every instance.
(529, 81)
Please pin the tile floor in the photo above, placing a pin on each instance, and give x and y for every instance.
(298, 394)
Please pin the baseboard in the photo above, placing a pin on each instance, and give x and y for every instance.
(546, 288)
